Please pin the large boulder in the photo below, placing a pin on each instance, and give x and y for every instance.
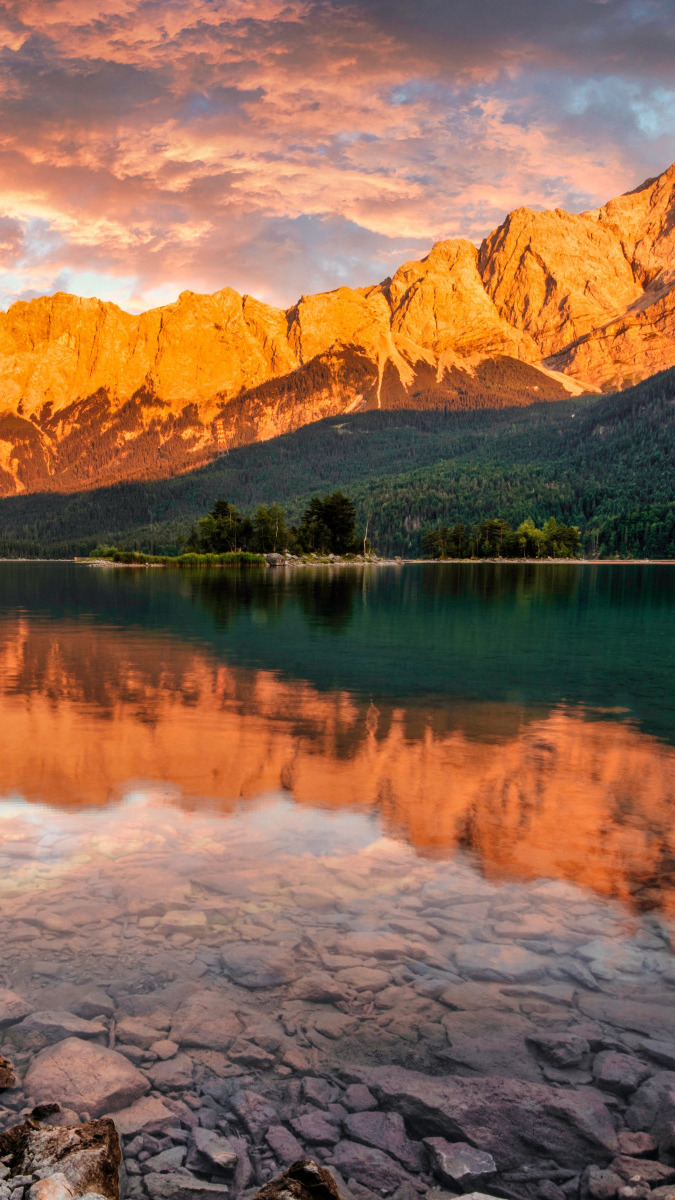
(85, 1077)
(512, 1119)
(86, 1158)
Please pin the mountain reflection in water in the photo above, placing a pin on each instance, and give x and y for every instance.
(530, 789)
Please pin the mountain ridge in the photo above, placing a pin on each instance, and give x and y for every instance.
(550, 304)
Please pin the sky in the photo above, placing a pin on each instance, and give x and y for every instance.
(281, 147)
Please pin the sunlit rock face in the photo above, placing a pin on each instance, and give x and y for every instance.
(553, 303)
(530, 792)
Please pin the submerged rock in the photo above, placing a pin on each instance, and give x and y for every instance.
(511, 1119)
(458, 1164)
(42, 1029)
(204, 1019)
(85, 1077)
(256, 965)
(13, 1008)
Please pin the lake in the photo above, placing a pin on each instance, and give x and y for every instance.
(270, 837)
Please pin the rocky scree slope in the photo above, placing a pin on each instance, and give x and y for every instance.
(552, 303)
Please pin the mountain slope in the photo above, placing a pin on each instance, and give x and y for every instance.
(551, 304)
(605, 463)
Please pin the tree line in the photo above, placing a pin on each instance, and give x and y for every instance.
(495, 538)
(328, 526)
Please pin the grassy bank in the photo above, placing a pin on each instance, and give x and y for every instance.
(131, 558)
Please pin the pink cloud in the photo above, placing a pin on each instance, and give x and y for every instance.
(187, 143)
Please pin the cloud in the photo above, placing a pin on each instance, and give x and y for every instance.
(147, 146)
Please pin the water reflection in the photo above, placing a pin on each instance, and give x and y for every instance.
(531, 791)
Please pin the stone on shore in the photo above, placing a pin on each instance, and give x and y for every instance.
(88, 1156)
(7, 1077)
(85, 1077)
(510, 1119)
(304, 1180)
(367, 1165)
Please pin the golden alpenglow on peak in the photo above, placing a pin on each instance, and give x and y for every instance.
(551, 304)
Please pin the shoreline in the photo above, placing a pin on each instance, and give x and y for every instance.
(376, 562)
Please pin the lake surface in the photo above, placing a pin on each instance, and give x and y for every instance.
(407, 815)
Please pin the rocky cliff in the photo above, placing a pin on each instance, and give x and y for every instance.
(551, 303)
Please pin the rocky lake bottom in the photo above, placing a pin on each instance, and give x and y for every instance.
(241, 994)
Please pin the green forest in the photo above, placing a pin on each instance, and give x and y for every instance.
(605, 464)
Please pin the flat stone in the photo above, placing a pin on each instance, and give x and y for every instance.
(285, 1145)
(364, 979)
(255, 1112)
(205, 1019)
(509, 1118)
(247, 1054)
(147, 1113)
(358, 1098)
(210, 1151)
(173, 1074)
(164, 1048)
(661, 1052)
(13, 1008)
(481, 960)
(182, 1185)
(491, 1042)
(334, 1025)
(319, 1091)
(642, 1170)
(136, 1031)
(316, 1127)
(166, 1160)
(458, 1164)
(368, 1166)
(42, 1029)
(561, 1049)
(386, 1131)
(85, 1077)
(93, 1003)
(618, 1073)
(655, 1020)
(636, 1145)
(257, 964)
(321, 988)
(375, 945)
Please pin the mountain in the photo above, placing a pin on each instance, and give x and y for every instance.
(605, 463)
(551, 304)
